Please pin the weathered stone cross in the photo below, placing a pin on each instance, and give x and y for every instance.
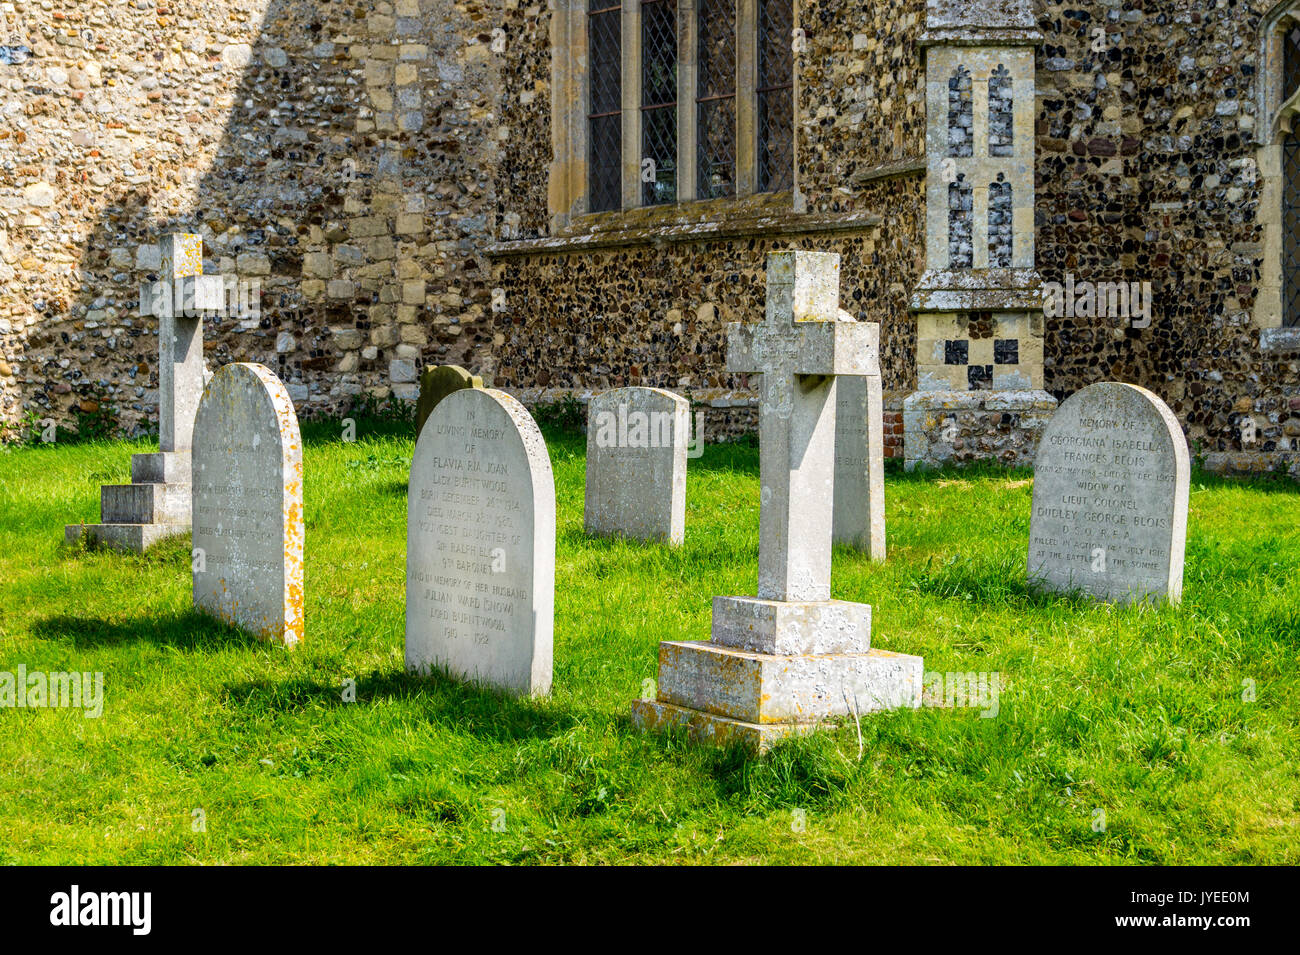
(805, 340)
(180, 299)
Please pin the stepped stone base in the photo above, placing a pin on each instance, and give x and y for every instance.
(132, 537)
(655, 716)
(156, 505)
(785, 688)
(735, 689)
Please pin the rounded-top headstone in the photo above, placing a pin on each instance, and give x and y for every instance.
(1110, 497)
(437, 383)
(636, 464)
(247, 505)
(480, 539)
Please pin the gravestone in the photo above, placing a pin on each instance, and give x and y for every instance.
(156, 504)
(859, 512)
(437, 383)
(636, 464)
(1110, 497)
(248, 520)
(782, 661)
(480, 545)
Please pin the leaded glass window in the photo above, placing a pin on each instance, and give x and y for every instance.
(1291, 228)
(775, 95)
(1291, 186)
(684, 99)
(604, 119)
(659, 101)
(715, 110)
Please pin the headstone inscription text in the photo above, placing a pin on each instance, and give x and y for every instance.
(247, 505)
(481, 545)
(1110, 497)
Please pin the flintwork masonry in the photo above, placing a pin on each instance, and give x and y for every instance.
(579, 195)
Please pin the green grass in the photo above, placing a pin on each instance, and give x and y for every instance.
(1135, 711)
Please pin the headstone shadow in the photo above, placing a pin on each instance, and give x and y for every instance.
(469, 707)
(187, 630)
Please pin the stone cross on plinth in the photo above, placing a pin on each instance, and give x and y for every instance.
(179, 299)
(156, 504)
(804, 342)
(791, 657)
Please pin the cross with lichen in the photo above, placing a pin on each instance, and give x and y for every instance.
(805, 340)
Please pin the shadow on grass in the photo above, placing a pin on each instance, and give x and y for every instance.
(173, 550)
(482, 711)
(190, 630)
(324, 431)
(1268, 483)
(730, 457)
(991, 582)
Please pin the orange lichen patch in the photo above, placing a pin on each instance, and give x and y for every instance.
(237, 413)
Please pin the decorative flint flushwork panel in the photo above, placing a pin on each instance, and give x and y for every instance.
(961, 119)
(961, 248)
(1000, 223)
(1001, 115)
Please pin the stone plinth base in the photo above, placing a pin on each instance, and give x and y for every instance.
(959, 427)
(775, 668)
(156, 505)
(791, 626)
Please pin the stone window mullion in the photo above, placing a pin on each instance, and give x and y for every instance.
(631, 104)
(746, 97)
(687, 81)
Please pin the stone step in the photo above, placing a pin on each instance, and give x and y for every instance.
(797, 688)
(161, 467)
(791, 626)
(144, 504)
(128, 537)
(655, 716)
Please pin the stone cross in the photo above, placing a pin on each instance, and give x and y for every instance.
(180, 299)
(805, 340)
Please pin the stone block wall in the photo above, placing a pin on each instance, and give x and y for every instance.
(344, 157)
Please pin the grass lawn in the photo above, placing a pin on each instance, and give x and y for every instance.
(1144, 714)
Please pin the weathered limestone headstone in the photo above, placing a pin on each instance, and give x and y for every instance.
(1110, 497)
(480, 545)
(636, 464)
(783, 661)
(859, 509)
(156, 504)
(248, 520)
(437, 383)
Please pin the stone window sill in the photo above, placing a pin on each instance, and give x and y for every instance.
(1273, 340)
(764, 215)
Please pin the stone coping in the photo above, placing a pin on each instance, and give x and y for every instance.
(980, 36)
(1026, 400)
(711, 397)
(982, 290)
